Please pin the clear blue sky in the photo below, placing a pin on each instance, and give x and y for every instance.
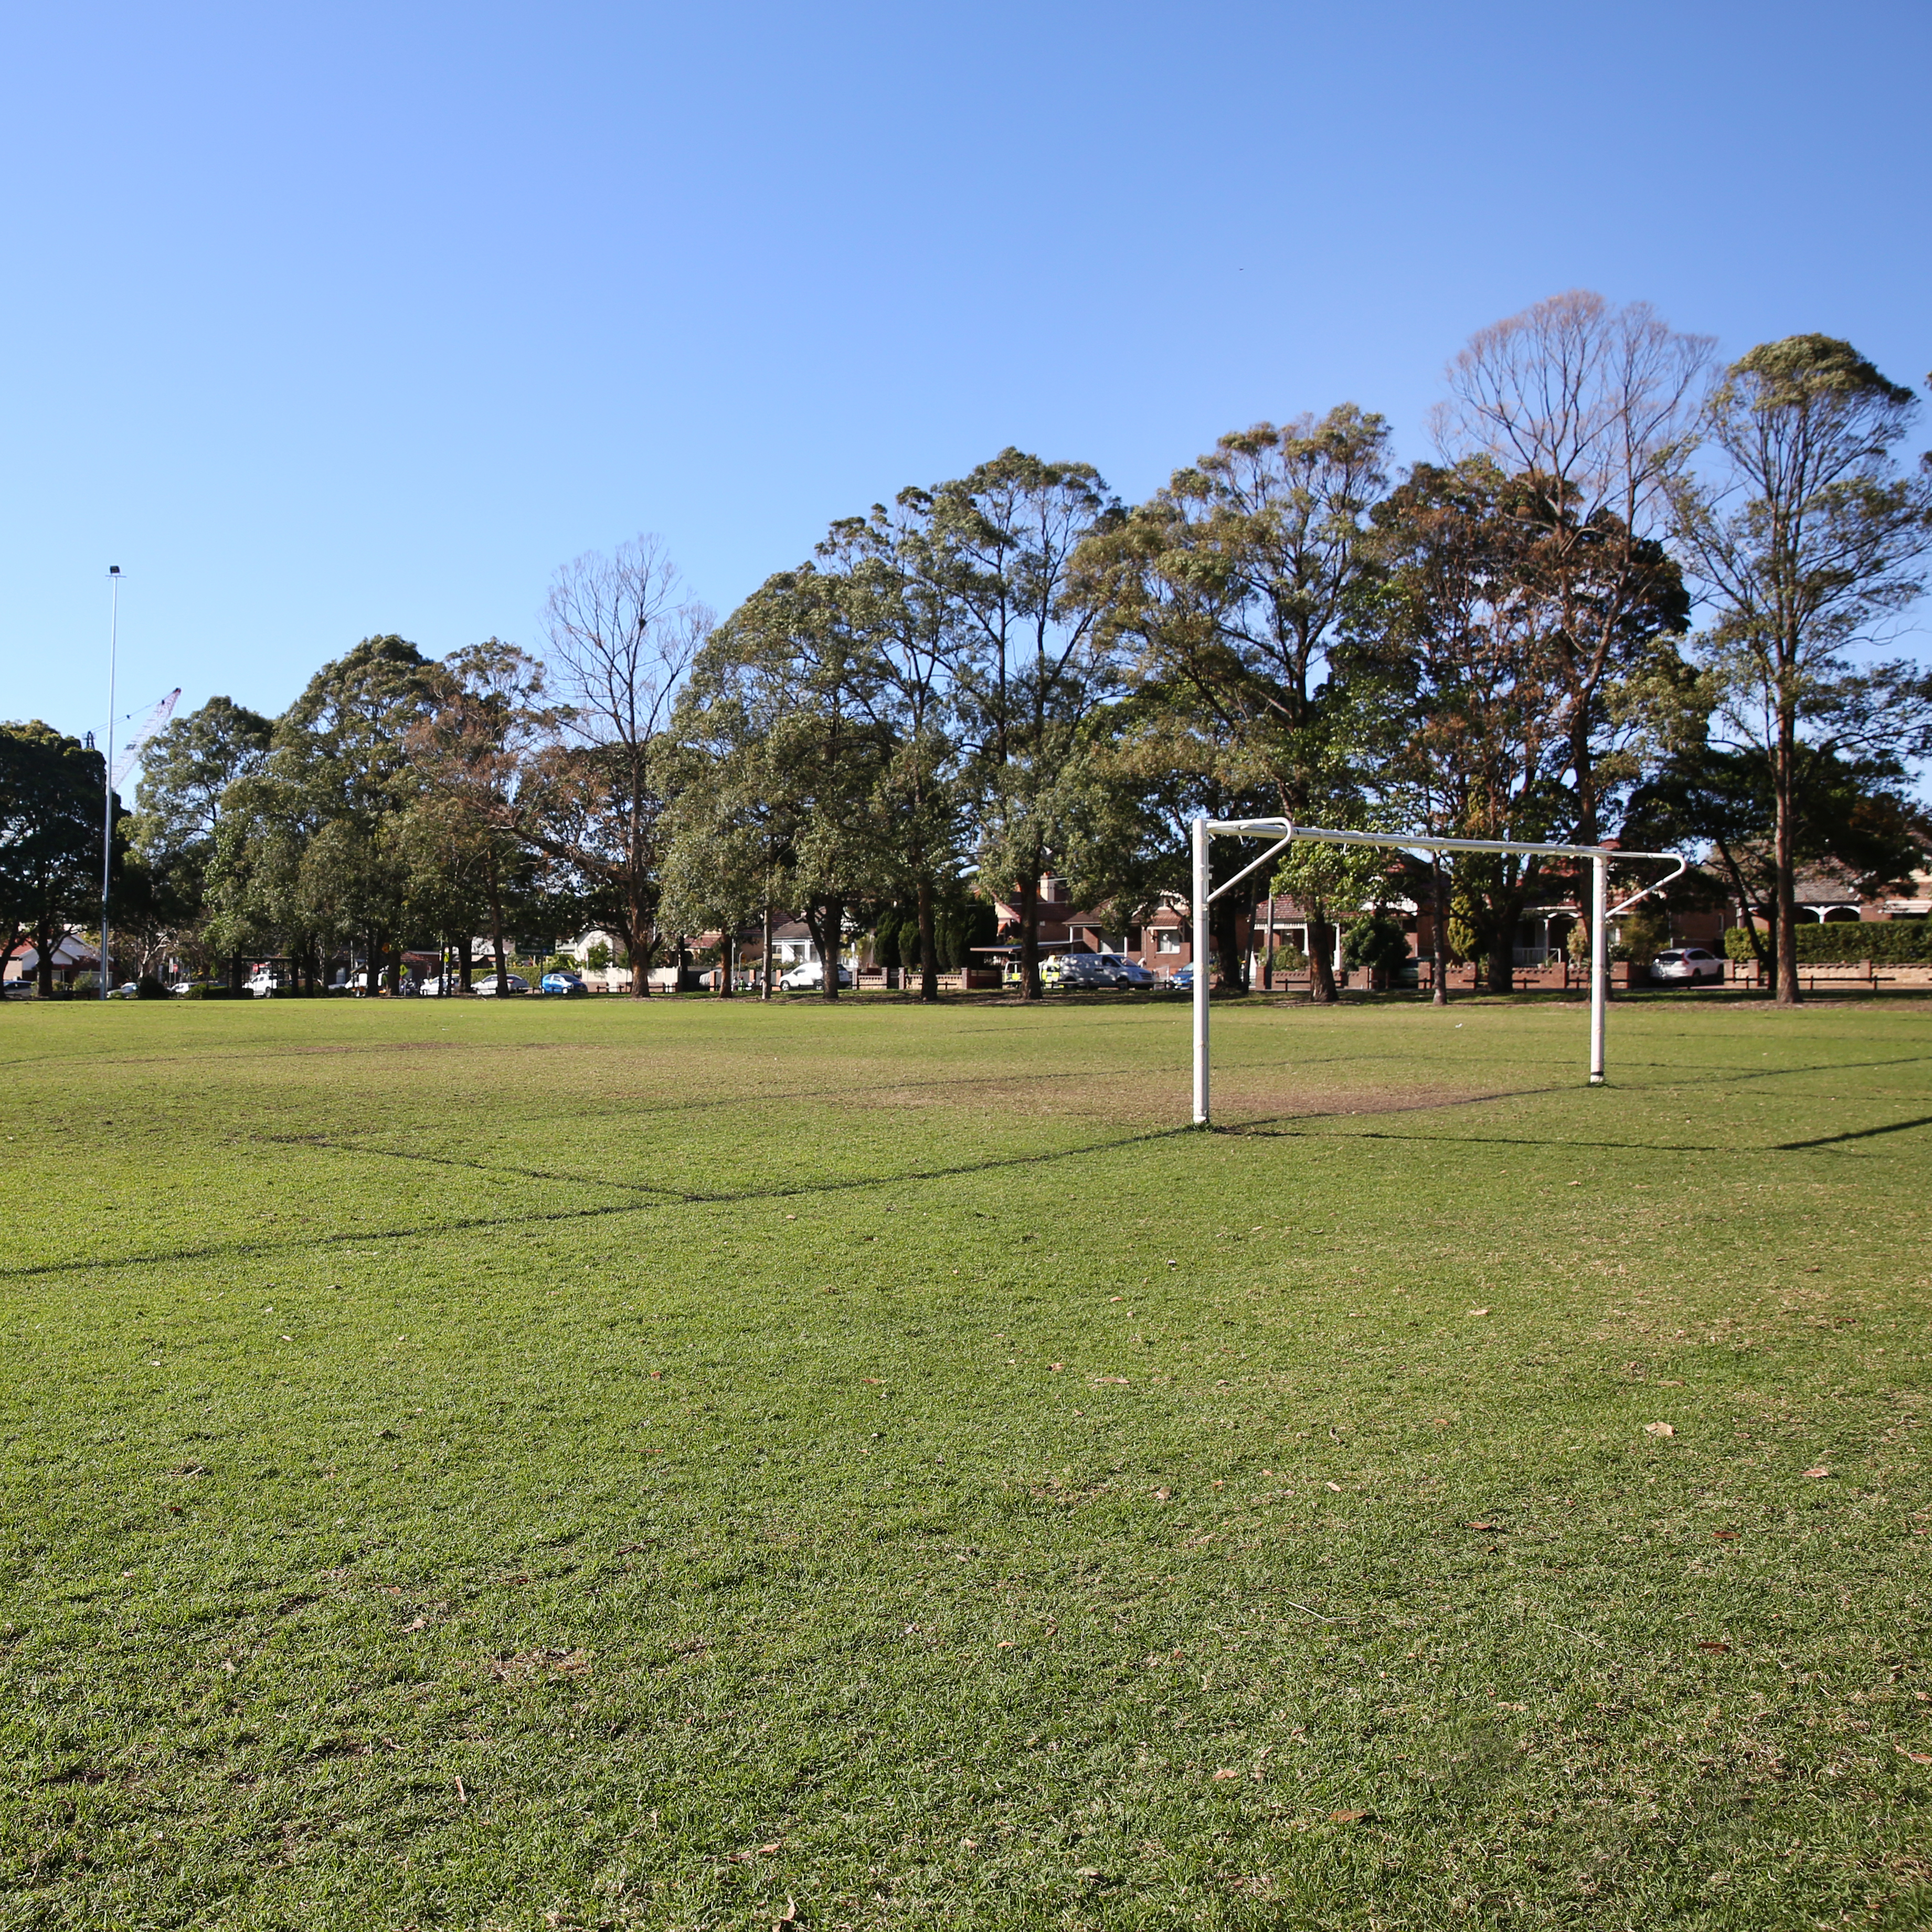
(327, 321)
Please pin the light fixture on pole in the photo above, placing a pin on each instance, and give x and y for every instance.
(107, 766)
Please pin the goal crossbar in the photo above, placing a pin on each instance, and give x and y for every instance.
(1285, 832)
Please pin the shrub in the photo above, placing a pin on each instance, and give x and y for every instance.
(1895, 942)
(1376, 941)
(597, 957)
(149, 988)
(1645, 934)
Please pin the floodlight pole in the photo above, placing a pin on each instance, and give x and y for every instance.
(107, 765)
(1197, 954)
(1600, 963)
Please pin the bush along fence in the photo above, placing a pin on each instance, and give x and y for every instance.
(1884, 942)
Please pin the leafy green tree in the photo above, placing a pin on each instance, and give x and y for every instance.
(1031, 660)
(1143, 770)
(894, 580)
(1806, 546)
(789, 797)
(307, 855)
(50, 827)
(1234, 581)
(469, 867)
(1855, 816)
(187, 771)
(1458, 650)
(1233, 585)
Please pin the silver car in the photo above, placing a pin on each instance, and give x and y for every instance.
(487, 989)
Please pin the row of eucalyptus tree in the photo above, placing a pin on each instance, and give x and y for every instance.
(1630, 595)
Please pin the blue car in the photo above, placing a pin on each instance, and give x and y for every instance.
(1181, 980)
(563, 983)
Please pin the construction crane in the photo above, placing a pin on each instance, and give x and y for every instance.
(156, 718)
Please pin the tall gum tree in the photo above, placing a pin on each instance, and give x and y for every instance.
(622, 633)
(1806, 544)
(1032, 659)
(1232, 585)
(1593, 410)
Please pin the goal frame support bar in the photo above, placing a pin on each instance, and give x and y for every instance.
(1285, 832)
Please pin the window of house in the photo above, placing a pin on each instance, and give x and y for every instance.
(1168, 940)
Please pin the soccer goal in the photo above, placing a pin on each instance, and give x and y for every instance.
(1285, 832)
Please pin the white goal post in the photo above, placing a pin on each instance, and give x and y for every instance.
(1285, 832)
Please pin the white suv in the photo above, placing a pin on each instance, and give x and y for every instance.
(1685, 965)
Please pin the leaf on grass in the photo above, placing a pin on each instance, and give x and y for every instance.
(1708, 1644)
(1819, 1472)
(1658, 1429)
(421, 1623)
(529, 1663)
(1723, 1536)
(1345, 1817)
(770, 1850)
(1162, 1495)
(1337, 1487)
(1219, 1775)
(1917, 1757)
(1474, 1311)
(1056, 1366)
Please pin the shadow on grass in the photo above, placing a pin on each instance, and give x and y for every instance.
(661, 1198)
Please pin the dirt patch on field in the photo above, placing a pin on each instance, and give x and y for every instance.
(1137, 1097)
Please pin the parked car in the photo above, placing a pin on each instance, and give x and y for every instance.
(1076, 970)
(1685, 965)
(1181, 979)
(808, 976)
(513, 982)
(566, 983)
(129, 989)
(431, 987)
(267, 981)
(1125, 973)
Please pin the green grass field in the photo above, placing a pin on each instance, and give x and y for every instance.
(714, 1464)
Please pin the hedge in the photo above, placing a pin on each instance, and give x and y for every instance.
(1844, 942)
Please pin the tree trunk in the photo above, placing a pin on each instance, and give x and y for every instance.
(727, 960)
(765, 978)
(1225, 920)
(1585, 774)
(830, 932)
(1438, 937)
(1784, 841)
(1501, 964)
(1030, 988)
(496, 885)
(929, 945)
(14, 932)
(43, 967)
(1321, 964)
(234, 974)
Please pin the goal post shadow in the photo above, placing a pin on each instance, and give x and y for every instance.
(1285, 832)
